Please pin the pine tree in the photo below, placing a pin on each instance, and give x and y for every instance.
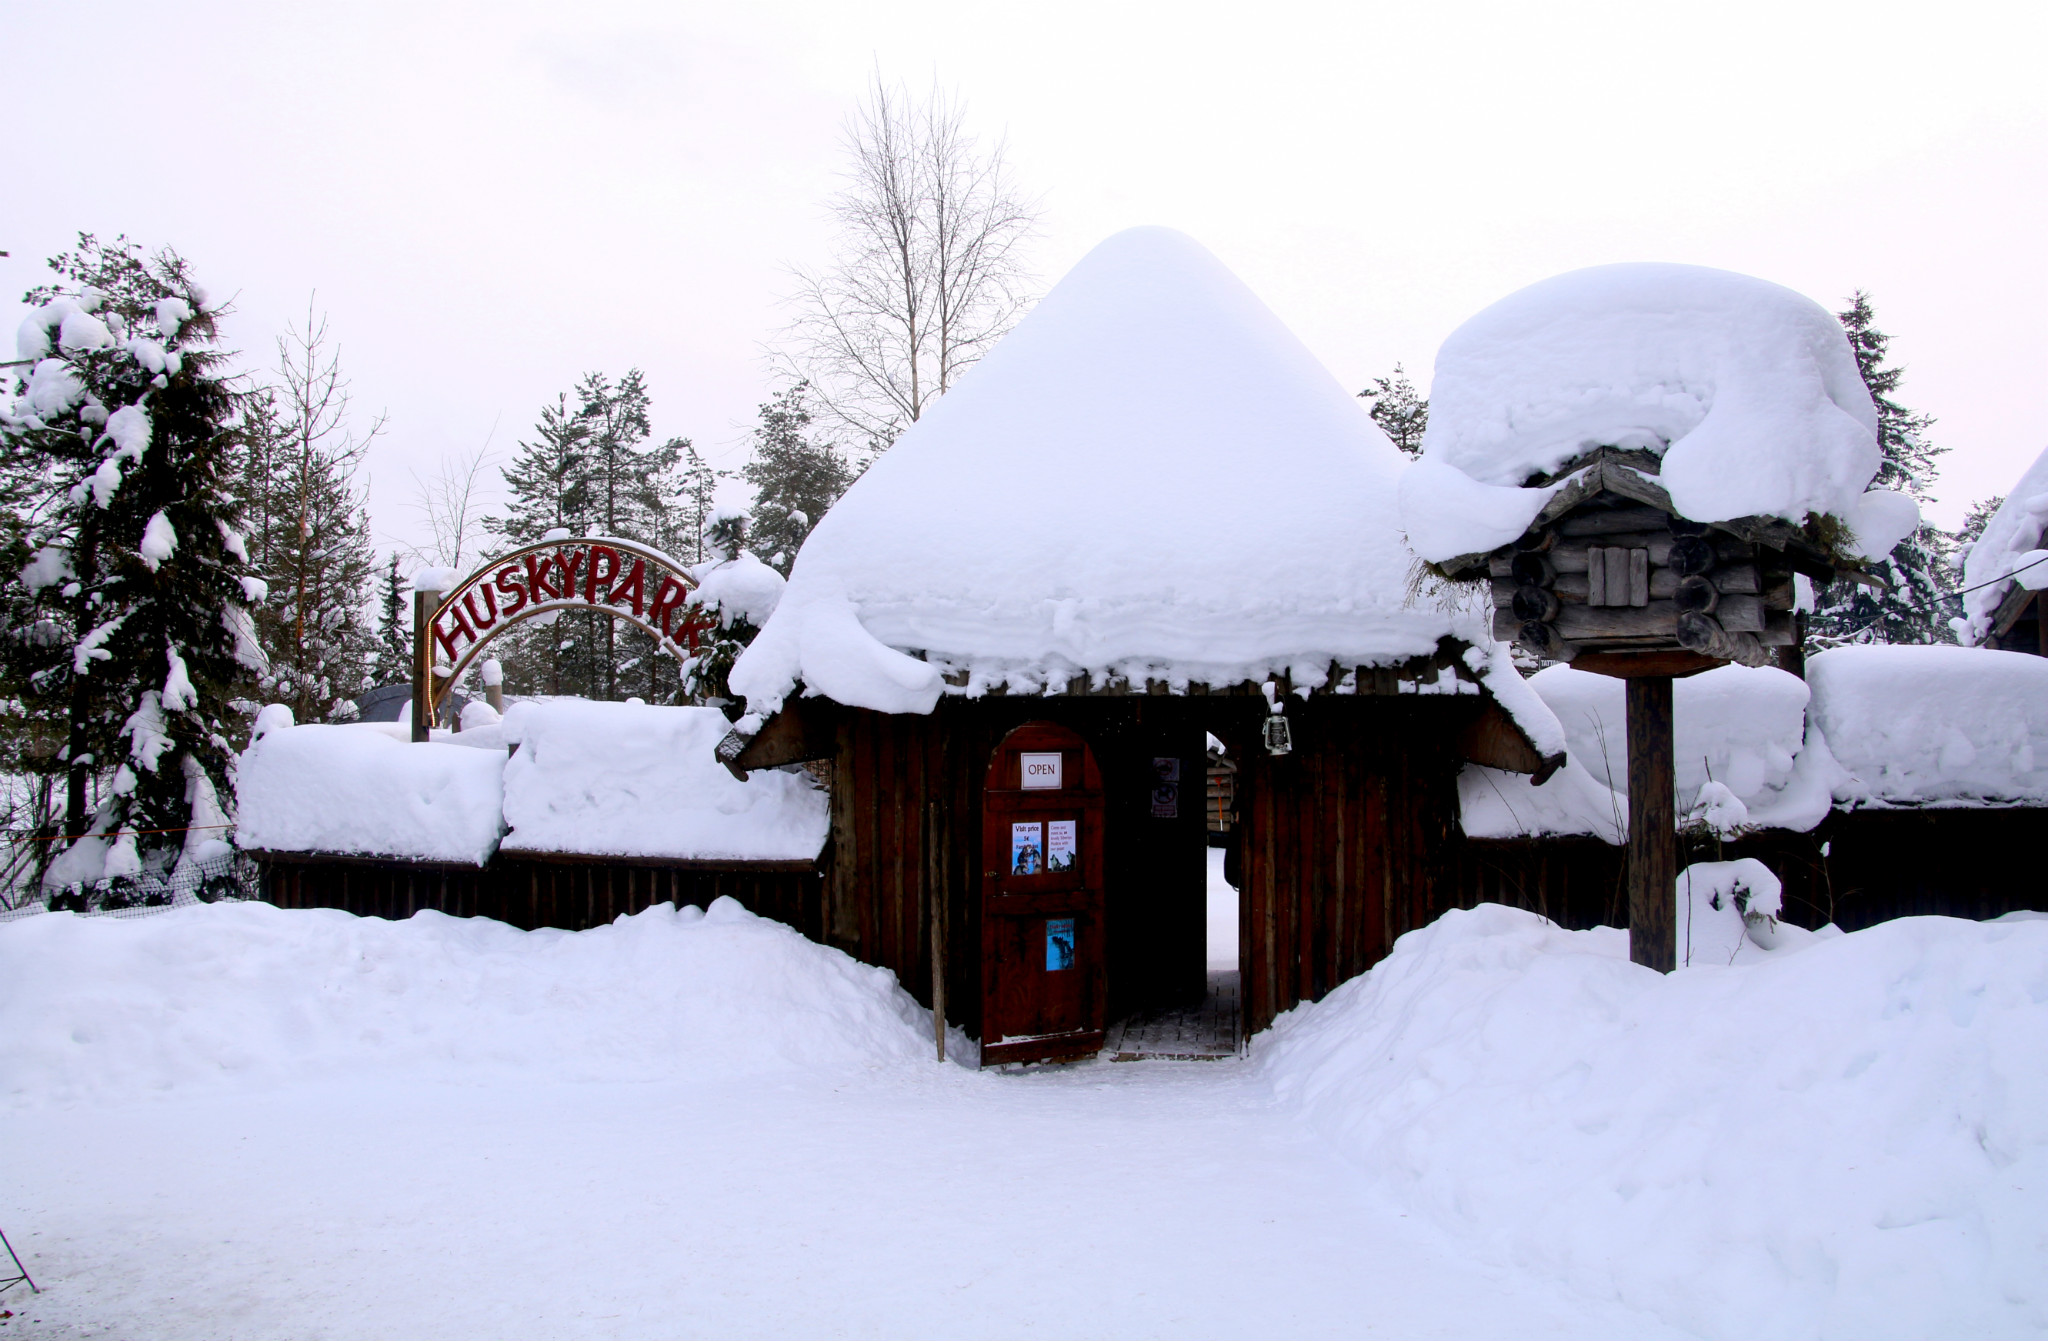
(697, 483)
(795, 477)
(394, 628)
(137, 626)
(310, 531)
(1913, 608)
(1401, 414)
(719, 646)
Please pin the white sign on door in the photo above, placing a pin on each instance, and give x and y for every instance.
(1042, 772)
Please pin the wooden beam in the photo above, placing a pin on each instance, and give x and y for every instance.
(804, 730)
(1652, 825)
(1623, 665)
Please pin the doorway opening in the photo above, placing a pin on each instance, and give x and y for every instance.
(1208, 1027)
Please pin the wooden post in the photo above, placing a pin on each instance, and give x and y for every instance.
(1652, 824)
(935, 868)
(422, 667)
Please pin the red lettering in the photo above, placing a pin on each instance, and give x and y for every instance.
(447, 640)
(633, 586)
(508, 582)
(593, 585)
(537, 577)
(667, 597)
(490, 604)
(569, 561)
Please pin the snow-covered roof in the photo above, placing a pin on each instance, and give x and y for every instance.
(1747, 391)
(362, 789)
(631, 780)
(2009, 540)
(587, 779)
(1149, 478)
(1870, 726)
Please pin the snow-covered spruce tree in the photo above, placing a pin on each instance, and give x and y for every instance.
(795, 477)
(1912, 608)
(125, 439)
(696, 484)
(736, 593)
(393, 664)
(1395, 406)
(309, 531)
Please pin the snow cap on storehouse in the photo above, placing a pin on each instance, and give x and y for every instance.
(1149, 478)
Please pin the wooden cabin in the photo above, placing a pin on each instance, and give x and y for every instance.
(1010, 637)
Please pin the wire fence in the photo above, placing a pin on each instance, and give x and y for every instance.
(213, 880)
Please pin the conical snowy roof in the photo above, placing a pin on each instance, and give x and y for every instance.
(1150, 477)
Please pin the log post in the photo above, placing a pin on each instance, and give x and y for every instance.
(935, 879)
(1652, 824)
(422, 667)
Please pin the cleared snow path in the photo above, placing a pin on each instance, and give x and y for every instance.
(1156, 1199)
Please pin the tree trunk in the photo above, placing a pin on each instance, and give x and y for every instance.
(1652, 824)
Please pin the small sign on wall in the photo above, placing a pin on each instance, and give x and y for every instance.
(1060, 844)
(1166, 789)
(1027, 849)
(1042, 772)
(1059, 944)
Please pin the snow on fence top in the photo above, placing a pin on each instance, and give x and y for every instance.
(589, 779)
(1870, 726)
(629, 780)
(360, 790)
(1150, 478)
(2011, 538)
(1747, 391)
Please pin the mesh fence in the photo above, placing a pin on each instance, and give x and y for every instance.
(232, 876)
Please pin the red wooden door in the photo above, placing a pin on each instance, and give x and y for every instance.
(1044, 960)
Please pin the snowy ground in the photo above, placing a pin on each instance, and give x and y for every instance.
(243, 1122)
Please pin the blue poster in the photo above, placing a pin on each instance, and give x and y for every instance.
(1059, 944)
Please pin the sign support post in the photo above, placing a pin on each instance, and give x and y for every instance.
(422, 666)
(1652, 824)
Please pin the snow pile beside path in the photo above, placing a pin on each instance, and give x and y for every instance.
(2009, 540)
(627, 779)
(1058, 511)
(99, 1009)
(1743, 727)
(1848, 1141)
(363, 789)
(1748, 391)
(1934, 725)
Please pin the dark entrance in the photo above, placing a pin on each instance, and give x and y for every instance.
(1044, 923)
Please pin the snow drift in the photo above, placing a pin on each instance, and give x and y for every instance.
(104, 1009)
(1846, 1141)
(1747, 391)
(1150, 477)
(627, 779)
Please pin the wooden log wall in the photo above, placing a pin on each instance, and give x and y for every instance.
(527, 893)
(1856, 869)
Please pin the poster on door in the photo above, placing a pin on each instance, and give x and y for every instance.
(1166, 789)
(1060, 844)
(1059, 944)
(1027, 849)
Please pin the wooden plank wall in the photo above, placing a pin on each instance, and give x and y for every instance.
(530, 894)
(1345, 841)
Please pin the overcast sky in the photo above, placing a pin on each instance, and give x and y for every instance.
(487, 200)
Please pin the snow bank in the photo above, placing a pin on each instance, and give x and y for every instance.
(632, 780)
(1846, 1141)
(1934, 725)
(1150, 477)
(1748, 391)
(99, 1009)
(1739, 726)
(362, 789)
(2009, 539)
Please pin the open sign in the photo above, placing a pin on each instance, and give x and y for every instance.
(1042, 772)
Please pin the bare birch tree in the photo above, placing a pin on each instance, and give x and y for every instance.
(928, 271)
(452, 504)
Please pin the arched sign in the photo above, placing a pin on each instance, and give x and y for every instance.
(619, 578)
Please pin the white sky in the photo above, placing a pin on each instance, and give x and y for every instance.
(491, 199)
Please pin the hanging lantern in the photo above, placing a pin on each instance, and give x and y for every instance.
(1279, 736)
